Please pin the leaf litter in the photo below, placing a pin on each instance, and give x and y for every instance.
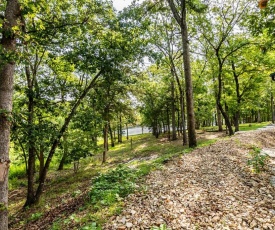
(210, 188)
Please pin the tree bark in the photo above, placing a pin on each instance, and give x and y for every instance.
(272, 108)
(182, 105)
(105, 144)
(65, 153)
(173, 110)
(168, 123)
(127, 131)
(239, 97)
(219, 95)
(41, 162)
(111, 136)
(31, 143)
(236, 120)
(219, 119)
(7, 68)
(120, 128)
(225, 116)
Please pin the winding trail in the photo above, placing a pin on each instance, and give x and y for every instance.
(210, 188)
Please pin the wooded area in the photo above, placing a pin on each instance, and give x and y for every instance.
(74, 76)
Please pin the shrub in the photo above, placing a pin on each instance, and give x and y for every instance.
(111, 187)
(257, 160)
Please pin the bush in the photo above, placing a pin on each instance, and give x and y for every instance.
(111, 187)
(257, 160)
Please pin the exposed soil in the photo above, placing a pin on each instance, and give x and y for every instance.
(210, 188)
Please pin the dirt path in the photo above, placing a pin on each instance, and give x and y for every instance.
(210, 188)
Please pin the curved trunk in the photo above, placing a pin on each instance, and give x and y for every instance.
(35, 199)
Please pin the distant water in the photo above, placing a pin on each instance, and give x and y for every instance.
(136, 130)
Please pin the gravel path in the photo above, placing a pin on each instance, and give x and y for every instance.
(210, 188)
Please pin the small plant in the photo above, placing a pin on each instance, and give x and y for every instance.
(161, 227)
(76, 193)
(258, 160)
(36, 216)
(92, 226)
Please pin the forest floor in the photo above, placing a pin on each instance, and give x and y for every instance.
(211, 187)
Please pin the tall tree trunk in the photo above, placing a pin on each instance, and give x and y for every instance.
(236, 120)
(31, 142)
(105, 144)
(239, 97)
(41, 162)
(173, 110)
(226, 118)
(7, 67)
(168, 123)
(65, 153)
(219, 94)
(179, 129)
(127, 132)
(259, 118)
(120, 128)
(188, 87)
(219, 118)
(182, 105)
(111, 136)
(181, 20)
(272, 108)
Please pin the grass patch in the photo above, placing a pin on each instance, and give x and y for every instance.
(17, 171)
(253, 126)
(242, 127)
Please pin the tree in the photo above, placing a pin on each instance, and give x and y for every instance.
(95, 47)
(225, 23)
(49, 34)
(180, 16)
(164, 36)
(9, 23)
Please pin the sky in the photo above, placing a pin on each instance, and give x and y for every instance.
(120, 4)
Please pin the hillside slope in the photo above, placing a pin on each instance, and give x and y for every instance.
(209, 188)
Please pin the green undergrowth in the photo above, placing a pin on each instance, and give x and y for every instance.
(253, 126)
(242, 127)
(112, 186)
(257, 160)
